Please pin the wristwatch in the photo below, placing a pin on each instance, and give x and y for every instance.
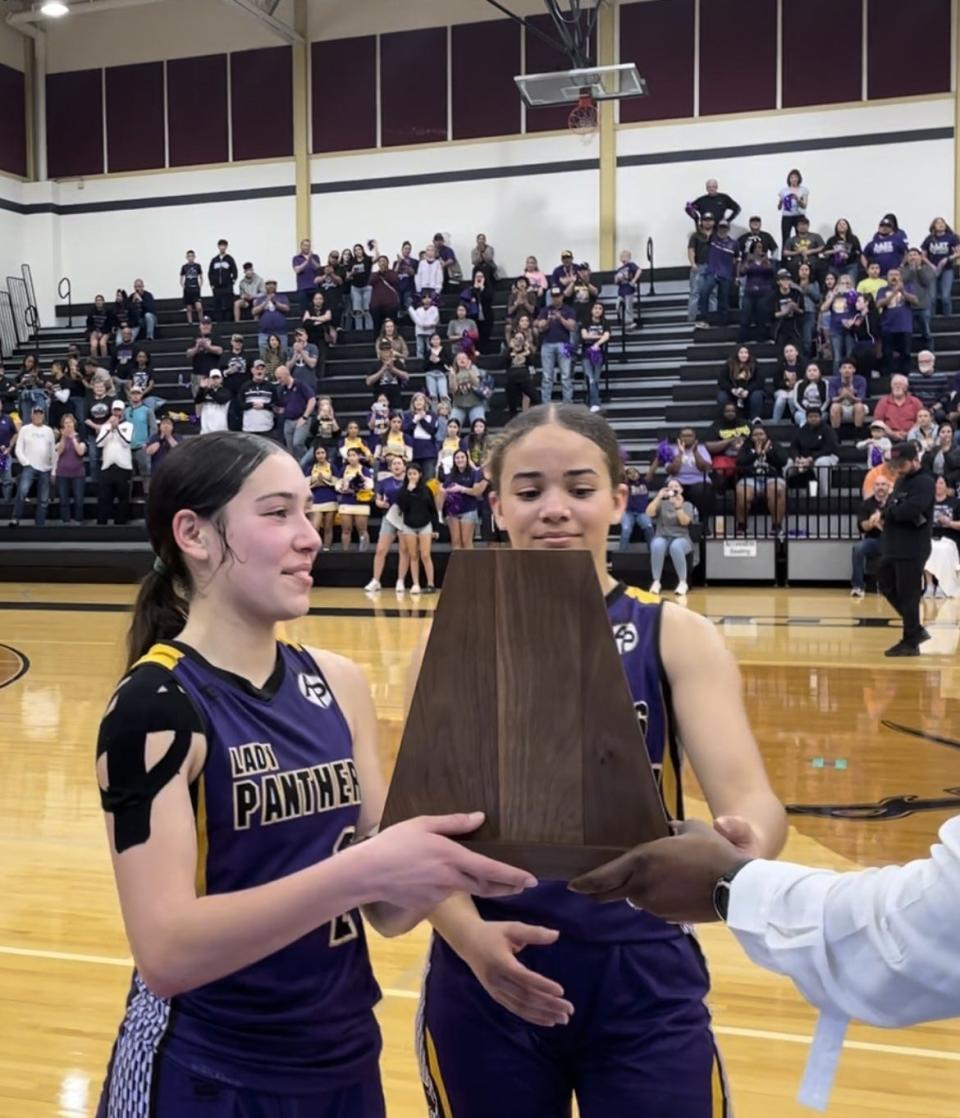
(721, 891)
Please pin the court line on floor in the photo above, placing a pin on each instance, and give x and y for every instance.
(414, 995)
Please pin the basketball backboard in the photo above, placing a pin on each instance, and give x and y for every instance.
(565, 87)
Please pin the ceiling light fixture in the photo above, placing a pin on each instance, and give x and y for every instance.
(54, 8)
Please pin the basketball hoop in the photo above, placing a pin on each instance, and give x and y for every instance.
(584, 120)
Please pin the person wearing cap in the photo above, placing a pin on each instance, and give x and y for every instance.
(723, 260)
(787, 311)
(204, 354)
(907, 532)
(447, 257)
(698, 251)
(803, 247)
(714, 204)
(35, 451)
(212, 402)
(755, 235)
(271, 310)
(918, 276)
(143, 425)
(556, 324)
(258, 399)
(564, 275)
(116, 466)
(887, 247)
(870, 545)
(249, 287)
(222, 274)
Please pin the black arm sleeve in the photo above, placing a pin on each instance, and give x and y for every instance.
(148, 704)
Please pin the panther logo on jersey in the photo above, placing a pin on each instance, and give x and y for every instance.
(314, 690)
(626, 636)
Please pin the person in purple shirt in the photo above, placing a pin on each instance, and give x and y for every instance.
(307, 266)
(895, 303)
(271, 312)
(941, 250)
(296, 402)
(564, 275)
(635, 514)
(556, 325)
(887, 247)
(722, 260)
(447, 257)
(406, 268)
(757, 309)
(847, 395)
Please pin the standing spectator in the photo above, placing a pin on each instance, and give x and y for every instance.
(847, 395)
(479, 300)
(838, 318)
(842, 251)
(813, 452)
(792, 203)
(466, 390)
(810, 292)
(447, 258)
(482, 259)
(420, 425)
(385, 293)
(234, 366)
(160, 445)
(594, 338)
(389, 378)
(191, 278)
(222, 275)
(204, 355)
(462, 487)
(787, 311)
(870, 544)
(887, 247)
(757, 308)
(8, 440)
(353, 440)
(116, 467)
(756, 235)
(146, 307)
(391, 521)
(358, 276)
(723, 256)
(250, 286)
(30, 393)
(420, 521)
(521, 390)
(535, 278)
(940, 570)
(70, 471)
(907, 531)
(319, 322)
(556, 324)
(296, 402)
(448, 439)
(803, 247)
(918, 276)
(896, 302)
(436, 369)
(257, 400)
(872, 281)
(34, 449)
(143, 426)
(672, 517)
(271, 310)
(306, 266)
(393, 442)
(406, 266)
(627, 279)
(212, 401)
(100, 327)
(303, 358)
(425, 320)
(714, 204)
(583, 294)
(698, 253)
(740, 383)
(635, 513)
(355, 490)
(941, 250)
(331, 283)
(760, 466)
(429, 275)
(564, 275)
(323, 489)
(98, 412)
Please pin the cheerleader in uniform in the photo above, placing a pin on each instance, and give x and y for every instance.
(323, 486)
(353, 440)
(355, 494)
(394, 442)
(385, 498)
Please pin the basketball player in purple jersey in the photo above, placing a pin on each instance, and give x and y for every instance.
(530, 1001)
(234, 770)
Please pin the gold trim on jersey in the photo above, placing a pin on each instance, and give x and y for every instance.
(433, 1065)
(203, 841)
(163, 654)
(643, 596)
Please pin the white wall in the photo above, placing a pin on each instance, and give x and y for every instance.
(334, 19)
(11, 231)
(11, 47)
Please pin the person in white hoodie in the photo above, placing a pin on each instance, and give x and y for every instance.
(425, 320)
(116, 466)
(429, 275)
(35, 453)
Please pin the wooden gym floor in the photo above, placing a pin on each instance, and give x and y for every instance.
(833, 718)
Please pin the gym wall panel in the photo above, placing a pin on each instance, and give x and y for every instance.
(75, 123)
(261, 102)
(908, 47)
(542, 58)
(197, 137)
(13, 132)
(135, 117)
(833, 69)
(485, 57)
(658, 37)
(413, 87)
(343, 80)
(738, 56)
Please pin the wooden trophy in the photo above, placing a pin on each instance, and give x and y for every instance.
(522, 710)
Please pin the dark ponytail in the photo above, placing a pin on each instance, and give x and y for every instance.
(204, 473)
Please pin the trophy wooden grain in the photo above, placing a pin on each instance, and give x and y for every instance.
(522, 710)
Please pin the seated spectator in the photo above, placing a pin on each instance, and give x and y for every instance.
(556, 324)
(390, 336)
(303, 359)
(426, 318)
(462, 329)
(420, 425)
(204, 355)
(925, 382)
(141, 376)
(121, 365)
(379, 419)
(212, 402)
(323, 488)
(273, 354)
(723, 255)
(635, 513)
(885, 469)
(466, 390)
(100, 327)
(785, 378)
(760, 466)
(627, 279)
(924, 432)
(249, 289)
(842, 251)
(941, 250)
(757, 309)
(813, 451)
(143, 304)
(536, 280)
(691, 465)
(847, 396)
(35, 451)
(811, 392)
(594, 338)
(116, 467)
(803, 247)
(462, 485)
(160, 444)
(384, 293)
(787, 311)
(727, 436)
(389, 378)
(870, 544)
(430, 273)
(944, 458)
(125, 314)
(271, 310)
(877, 446)
(477, 443)
(521, 389)
(898, 409)
(523, 300)
(740, 383)
(671, 516)
(326, 427)
(941, 571)
(258, 402)
(887, 247)
(355, 495)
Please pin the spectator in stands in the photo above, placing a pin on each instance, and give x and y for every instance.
(594, 336)
(323, 488)
(447, 258)
(303, 359)
(116, 467)
(124, 316)
(741, 383)
(426, 318)
(810, 291)
(482, 258)
(698, 253)
(756, 235)
(535, 278)
(899, 409)
(556, 324)
(785, 380)
(627, 279)
(406, 266)
(877, 447)
(124, 357)
(870, 544)
(141, 377)
(792, 203)
(465, 389)
(250, 287)
(306, 266)
(671, 516)
(393, 442)
(787, 311)
(723, 257)
(160, 445)
(521, 390)
(420, 425)
(204, 354)
(838, 317)
(389, 378)
(390, 336)
(583, 294)
(925, 381)
(191, 277)
(212, 402)
(887, 247)
(757, 302)
(385, 293)
(355, 495)
(436, 367)
(331, 283)
(391, 521)
(924, 432)
(420, 521)
(842, 251)
(318, 321)
(940, 571)
(635, 513)
(257, 398)
(690, 464)
(714, 204)
(941, 250)
(274, 354)
(448, 440)
(864, 327)
(813, 451)
(803, 247)
(944, 458)
(429, 274)
(353, 440)
(479, 301)
(760, 466)
(35, 450)
(234, 365)
(100, 327)
(70, 471)
(143, 425)
(462, 329)
(896, 303)
(477, 443)
(873, 281)
(727, 436)
(847, 396)
(564, 275)
(145, 306)
(811, 393)
(57, 389)
(270, 310)
(361, 292)
(462, 487)
(98, 412)
(222, 275)
(8, 441)
(918, 276)
(295, 403)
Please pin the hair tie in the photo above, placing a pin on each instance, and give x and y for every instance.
(160, 568)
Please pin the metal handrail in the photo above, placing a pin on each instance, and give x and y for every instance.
(68, 295)
(32, 317)
(27, 272)
(652, 290)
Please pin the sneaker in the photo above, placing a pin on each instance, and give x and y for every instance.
(429, 590)
(682, 590)
(856, 592)
(401, 588)
(365, 544)
(594, 407)
(373, 584)
(903, 649)
(655, 586)
(14, 524)
(701, 326)
(928, 590)
(924, 636)
(415, 589)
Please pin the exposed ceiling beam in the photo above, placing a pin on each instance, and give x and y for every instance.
(277, 26)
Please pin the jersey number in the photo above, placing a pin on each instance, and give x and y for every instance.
(343, 928)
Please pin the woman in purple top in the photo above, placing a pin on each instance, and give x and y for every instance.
(691, 465)
(941, 250)
(462, 488)
(70, 470)
(887, 247)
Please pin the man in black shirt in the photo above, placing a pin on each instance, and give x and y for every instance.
(204, 355)
(815, 444)
(870, 544)
(222, 274)
(756, 235)
(713, 204)
(907, 528)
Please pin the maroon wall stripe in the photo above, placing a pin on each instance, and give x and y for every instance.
(74, 123)
(738, 55)
(197, 110)
(13, 127)
(343, 78)
(486, 56)
(413, 87)
(261, 101)
(658, 38)
(135, 117)
(908, 47)
(833, 70)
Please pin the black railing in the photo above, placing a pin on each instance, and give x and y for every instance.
(20, 302)
(27, 272)
(8, 329)
(823, 502)
(68, 295)
(651, 290)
